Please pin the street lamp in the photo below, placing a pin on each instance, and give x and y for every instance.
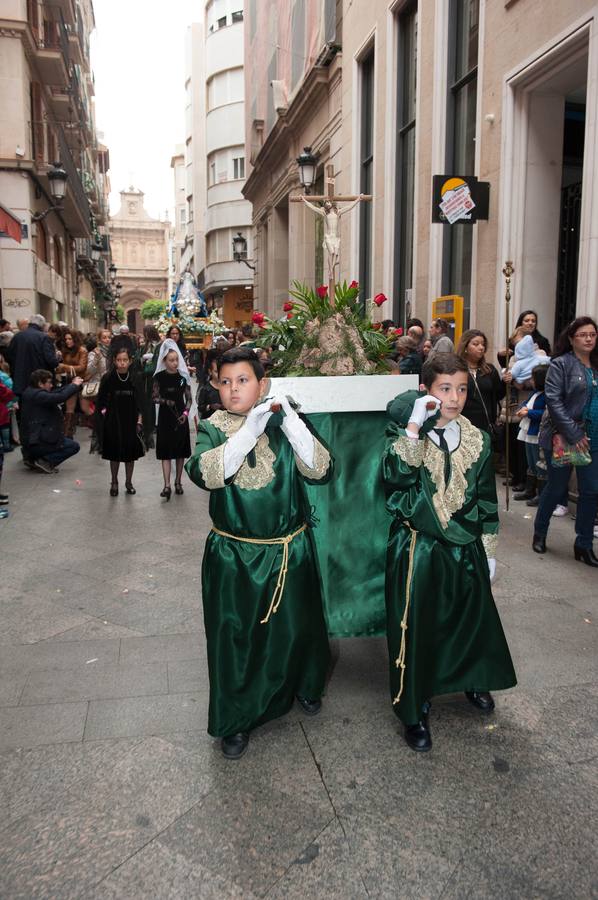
(57, 177)
(307, 163)
(240, 250)
(112, 270)
(96, 250)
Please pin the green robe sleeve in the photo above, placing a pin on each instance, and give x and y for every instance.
(402, 459)
(206, 467)
(487, 501)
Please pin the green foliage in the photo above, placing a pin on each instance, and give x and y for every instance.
(120, 313)
(153, 309)
(86, 309)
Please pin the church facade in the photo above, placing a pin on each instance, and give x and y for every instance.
(140, 246)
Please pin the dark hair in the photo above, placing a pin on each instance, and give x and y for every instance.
(150, 333)
(121, 348)
(181, 342)
(39, 376)
(539, 377)
(563, 344)
(247, 330)
(77, 340)
(386, 324)
(442, 324)
(442, 364)
(90, 343)
(414, 321)
(465, 339)
(239, 355)
(4, 322)
(539, 339)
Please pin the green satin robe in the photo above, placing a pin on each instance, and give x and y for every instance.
(437, 564)
(257, 668)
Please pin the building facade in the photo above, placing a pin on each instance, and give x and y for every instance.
(179, 227)
(392, 94)
(47, 116)
(215, 161)
(140, 252)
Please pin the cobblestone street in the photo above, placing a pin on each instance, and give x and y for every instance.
(110, 786)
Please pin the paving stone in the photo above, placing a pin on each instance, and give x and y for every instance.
(28, 619)
(188, 675)
(94, 629)
(146, 715)
(30, 726)
(11, 689)
(48, 655)
(108, 682)
(134, 651)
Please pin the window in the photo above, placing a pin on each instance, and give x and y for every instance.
(57, 257)
(226, 87)
(222, 22)
(366, 171)
(406, 109)
(461, 134)
(239, 167)
(182, 216)
(237, 16)
(41, 243)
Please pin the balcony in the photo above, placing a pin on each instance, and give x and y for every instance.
(66, 9)
(52, 54)
(60, 99)
(76, 212)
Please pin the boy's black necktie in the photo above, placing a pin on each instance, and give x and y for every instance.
(447, 456)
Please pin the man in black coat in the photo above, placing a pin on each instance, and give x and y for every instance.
(44, 443)
(29, 350)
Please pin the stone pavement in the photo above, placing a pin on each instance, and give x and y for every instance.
(111, 788)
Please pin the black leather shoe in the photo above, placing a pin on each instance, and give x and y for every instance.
(235, 745)
(310, 707)
(482, 700)
(539, 543)
(418, 736)
(587, 556)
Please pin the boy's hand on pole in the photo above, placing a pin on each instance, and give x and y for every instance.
(258, 418)
(491, 567)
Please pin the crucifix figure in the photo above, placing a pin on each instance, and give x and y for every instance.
(331, 213)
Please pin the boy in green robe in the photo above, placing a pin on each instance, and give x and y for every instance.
(265, 628)
(443, 629)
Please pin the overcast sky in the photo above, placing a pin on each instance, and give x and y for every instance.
(138, 57)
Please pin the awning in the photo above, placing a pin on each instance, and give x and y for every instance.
(9, 224)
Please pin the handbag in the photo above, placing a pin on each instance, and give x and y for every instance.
(568, 454)
(89, 391)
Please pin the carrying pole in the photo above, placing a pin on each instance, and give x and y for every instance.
(507, 272)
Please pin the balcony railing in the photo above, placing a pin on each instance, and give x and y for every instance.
(74, 181)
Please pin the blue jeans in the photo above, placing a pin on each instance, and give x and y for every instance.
(587, 503)
(66, 450)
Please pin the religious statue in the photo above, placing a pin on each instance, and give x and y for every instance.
(331, 213)
(188, 300)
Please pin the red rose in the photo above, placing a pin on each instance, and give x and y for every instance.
(288, 306)
(379, 299)
(322, 291)
(258, 318)
(289, 315)
(354, 284)
(399, 331)
(377, 326)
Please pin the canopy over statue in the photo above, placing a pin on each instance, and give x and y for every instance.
(187, 300)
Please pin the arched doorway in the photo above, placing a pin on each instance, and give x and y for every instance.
(132, 301)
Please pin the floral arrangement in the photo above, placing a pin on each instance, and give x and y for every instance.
(191, 324)
(325, 336)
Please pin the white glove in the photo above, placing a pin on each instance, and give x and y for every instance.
(297, 433)
(420, 413)
(492, 567)
(147, 356)
(258, 419)
(240, 444)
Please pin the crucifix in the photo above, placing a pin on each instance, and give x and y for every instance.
(331, 213)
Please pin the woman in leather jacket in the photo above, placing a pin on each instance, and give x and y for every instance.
(572, 401)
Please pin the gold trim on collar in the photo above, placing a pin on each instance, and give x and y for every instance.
(247, 478)
(450, 497)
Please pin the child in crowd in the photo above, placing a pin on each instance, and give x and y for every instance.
(208, 395)
(265, 628)
(6, 410)
(444, 632)
(6, 397)
(172, 393)
(530, 415)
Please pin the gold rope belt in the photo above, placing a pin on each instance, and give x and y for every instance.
(282, 574)
(400, 661)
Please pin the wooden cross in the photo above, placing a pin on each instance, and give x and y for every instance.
(331, 215)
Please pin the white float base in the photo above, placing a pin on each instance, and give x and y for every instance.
(343, 393)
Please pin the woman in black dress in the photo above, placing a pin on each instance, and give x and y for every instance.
(485, 388)
(120, 403)
(172, 392)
